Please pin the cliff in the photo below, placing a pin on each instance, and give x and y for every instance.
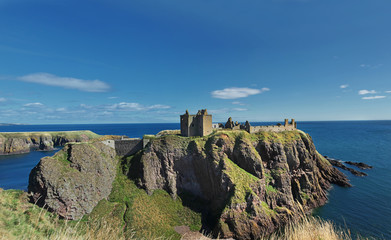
(231, 183)
(252, 183)
(24, 142)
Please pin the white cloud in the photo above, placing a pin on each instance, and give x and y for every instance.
(388, 91)
(159, 106)
(66, 82)
(36, 104)
(363, 92)
(373, 97)
(238, 103)
(344, 86)
(239, 109)
(125, 106)
(61, 109)
(85, 106)
(112, 97)
(2, 100)
(234, 92)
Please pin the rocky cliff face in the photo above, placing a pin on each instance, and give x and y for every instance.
(16, 143)
(75, 179)
(253, 183)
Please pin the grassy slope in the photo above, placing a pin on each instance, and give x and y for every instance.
(19, 218)
(22, 220)
(148, 216)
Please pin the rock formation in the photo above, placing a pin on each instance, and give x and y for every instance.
(16, 143)
(253, 183)
(75, 179)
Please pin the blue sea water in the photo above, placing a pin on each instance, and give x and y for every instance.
(365, 208)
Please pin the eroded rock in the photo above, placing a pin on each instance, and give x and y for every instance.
(74, 180)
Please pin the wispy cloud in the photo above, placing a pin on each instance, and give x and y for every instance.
(239, 109)
(2, 100)
(373, 97)
(130, 106)
(112, 97)
(36, 104)
(363, 92)
(234, 92)
(238, 103)
(119, 112)
(371, 66)
(66, 82)
(344, 86)
(388, 91)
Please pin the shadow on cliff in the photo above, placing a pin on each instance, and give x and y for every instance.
(209, 216)
(132, 167)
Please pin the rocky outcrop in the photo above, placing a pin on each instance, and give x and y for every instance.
(253, 183)
(24, 142)
(74, 180)
(339, 164)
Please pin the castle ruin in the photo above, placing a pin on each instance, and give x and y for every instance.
(196, 125)
(201, 125)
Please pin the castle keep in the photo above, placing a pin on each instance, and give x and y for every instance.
(196, 125)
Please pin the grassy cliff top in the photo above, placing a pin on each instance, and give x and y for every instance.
(68, 134)
(284, 136)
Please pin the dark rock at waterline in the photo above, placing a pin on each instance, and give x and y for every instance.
(339, 164)
(360, 165)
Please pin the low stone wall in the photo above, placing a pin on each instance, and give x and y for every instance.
(271, 128)
(128, 146)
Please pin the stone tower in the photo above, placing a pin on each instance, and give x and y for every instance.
(196, 125)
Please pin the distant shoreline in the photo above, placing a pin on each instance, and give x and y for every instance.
(12, 124)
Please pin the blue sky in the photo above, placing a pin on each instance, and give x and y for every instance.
(148, 61)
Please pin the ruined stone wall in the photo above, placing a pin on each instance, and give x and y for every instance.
(271, 128)
(185, 123)
(206, 125)
(127, 147)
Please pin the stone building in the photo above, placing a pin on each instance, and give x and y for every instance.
(196, 125)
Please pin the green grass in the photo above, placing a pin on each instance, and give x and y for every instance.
(242, 180)
(267, 209)
(19, 218)
(283, 137)
(22, 220)
(148, 216)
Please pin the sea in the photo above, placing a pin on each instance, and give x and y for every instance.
(365, 208)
